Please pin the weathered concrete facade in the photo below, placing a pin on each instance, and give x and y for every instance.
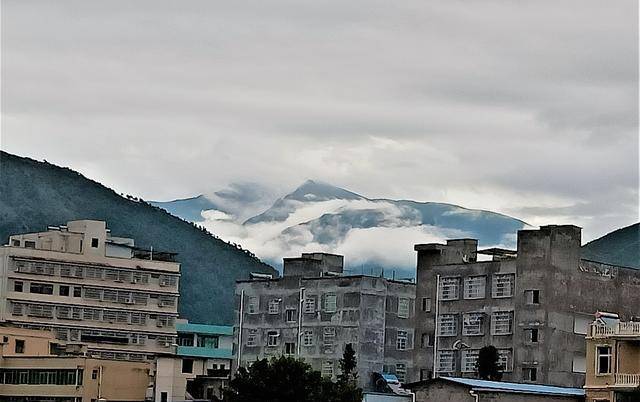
(533, 305)
(314, 317)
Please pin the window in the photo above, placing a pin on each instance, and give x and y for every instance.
(403, 307)
(29, 244)
(469, 360)
(579, 364)
(289, 348)
(63, 290)
(18, 286)
(446, 362)
(307, 337)
(530, 374)
(327, 368)
(19, 347)
(502, 323)
(272, 338)
(426, 304)
(504, 360)
(41, 288)
(532, 335)
(425, 374)
(291, 315)
(15, 243)
(449, 288)
(94, 374)
(330, 303)
(502, 285)
(472, 324)
(309, 305)
(426, 340)
(252, 338)
(164, 397)
(603, 360)
(253, 305)
(474, 287)
(94, 242)
(581, 324)
(447, 325)
(328, 338)
(77, 291)
(274, 306)
(532, 296)
(401, 340)
(401, 372)
(187, 366)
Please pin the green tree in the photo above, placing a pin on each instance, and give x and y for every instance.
(347, 385)
(487, 365)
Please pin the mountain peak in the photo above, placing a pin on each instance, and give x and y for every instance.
(315, 190)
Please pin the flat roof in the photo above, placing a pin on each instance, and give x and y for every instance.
(484, 385)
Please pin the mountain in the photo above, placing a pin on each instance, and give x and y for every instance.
(620, 247)
(36, 194)
(380, 233)
(189, 209)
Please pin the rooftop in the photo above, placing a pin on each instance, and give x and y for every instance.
(484, 385)
(204, 329)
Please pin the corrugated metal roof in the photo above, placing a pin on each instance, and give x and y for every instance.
(204, 329)
(517, 387)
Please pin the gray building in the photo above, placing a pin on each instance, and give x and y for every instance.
(314, 310)
(533, 304)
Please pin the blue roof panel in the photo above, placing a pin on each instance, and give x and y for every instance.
(517, 387)
(204, 329)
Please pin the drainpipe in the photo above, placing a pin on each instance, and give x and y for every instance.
(240, 321)
(475, 395)
(100, 383)
(301, 296)
(435, 333)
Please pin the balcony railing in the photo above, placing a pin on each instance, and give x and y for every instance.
(627, 380)
(630, 329)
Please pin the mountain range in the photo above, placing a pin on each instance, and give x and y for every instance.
(620, 247)
(36, 194)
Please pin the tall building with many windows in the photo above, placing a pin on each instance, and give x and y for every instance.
(91, 287)
(314, 310)
(533, 304)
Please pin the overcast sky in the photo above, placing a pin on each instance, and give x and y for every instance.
(526, 108)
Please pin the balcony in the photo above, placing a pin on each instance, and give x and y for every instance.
(627, 380)
(620, 329)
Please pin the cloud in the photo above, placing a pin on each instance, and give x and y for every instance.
(516, 107)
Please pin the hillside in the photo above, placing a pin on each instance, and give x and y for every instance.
(620, 247)
(36, 194)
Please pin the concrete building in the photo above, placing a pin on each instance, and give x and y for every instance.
(613, 360)
(89, 286)
(533, 304)
(29, 371)
(466, 390)
(314, 310)
(201, 366)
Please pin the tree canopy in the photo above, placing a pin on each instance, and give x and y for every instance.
(487, 366)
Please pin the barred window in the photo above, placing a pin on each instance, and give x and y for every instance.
(309, 305)
(109, 316)
(447, 325)
(125, 276)
(139, 277)
(111, 275)
(138, 318)
(140, 298)
(505, 360)
(403, 307)
(63, 312)
(291, 315)
(274, 307)
(65, 271)
(168, 280)
(401, 340)
(449, 288)
(328, 339)
(327, 368)
(17, 309)
(307, 337)
(446, 361)
(502, 323)
(401, 372)
(92, 293)
(110, 295)
(40, 310)
(502, 285)
(474, 287)
(252, 337)
(472, 324)
(330, 303)
(469, 360)
(91, 314)
(167, 301)
(122, 317)
(125, 297)
(93, 273)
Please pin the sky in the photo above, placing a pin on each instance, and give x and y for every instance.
(524, 108)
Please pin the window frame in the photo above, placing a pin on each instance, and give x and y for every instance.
(405, 311)
(477, 295)
(599, 355)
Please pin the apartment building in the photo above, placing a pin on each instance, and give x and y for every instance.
(35, 367)
(91, 287)
(533, 304)
(613, 360)
(314, 310)
(201, 366)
